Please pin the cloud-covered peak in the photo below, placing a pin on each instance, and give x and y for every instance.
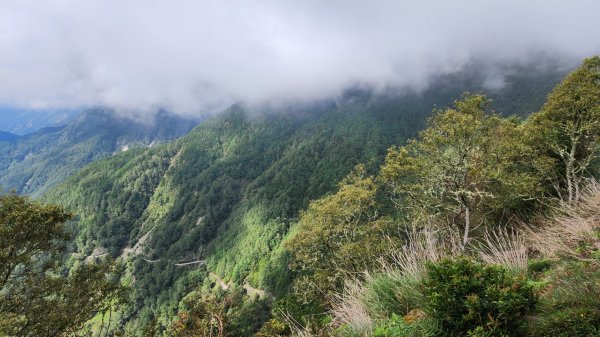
(198, 56)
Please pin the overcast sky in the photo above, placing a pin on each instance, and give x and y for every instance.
(189, 56)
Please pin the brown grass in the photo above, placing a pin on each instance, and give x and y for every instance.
(423, 245)
(571, 225)
(504, 247)
(350, 309)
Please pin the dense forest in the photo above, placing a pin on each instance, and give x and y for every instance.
(338, 218)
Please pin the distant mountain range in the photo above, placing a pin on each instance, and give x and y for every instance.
(23, 121)
(8, 137)
(35, 162)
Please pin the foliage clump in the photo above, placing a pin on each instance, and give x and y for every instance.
(465, 296)
(38, 295)
(570, 305)
(338, 237)
(398, 326)
(567, 129)
(468, 166)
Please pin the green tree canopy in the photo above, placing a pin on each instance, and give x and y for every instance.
(467, 165)
(567, 128)
(38, 296)
(338, 237)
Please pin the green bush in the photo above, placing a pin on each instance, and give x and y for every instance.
(469, 298)
(397, 326)
(538, 265)
(393, 293)
(571, 306)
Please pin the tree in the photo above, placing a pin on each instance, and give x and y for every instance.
(27, 231)
(38, 297)
(568, 127)
(338, 237)
(219, 314)
(466, 166)
(207, 316)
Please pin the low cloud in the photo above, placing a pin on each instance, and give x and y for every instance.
(194, 57)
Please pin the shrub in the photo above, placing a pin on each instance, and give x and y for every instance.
(571, 305)
(469, 298)
(397, 326)
(274, 328)
(393, 293)
(536, 266)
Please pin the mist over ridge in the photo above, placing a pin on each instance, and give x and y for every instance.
(199, 57)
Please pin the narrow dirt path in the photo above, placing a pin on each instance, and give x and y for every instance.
(219, 281)
(251, 291)
(181, 264)
(178, 264)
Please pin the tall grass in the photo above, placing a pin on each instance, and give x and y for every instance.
(350, 309)
(506, 247)
(424, 245)
(394, 289)
(570, 307)
(569, 227)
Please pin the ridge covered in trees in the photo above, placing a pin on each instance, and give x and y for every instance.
(491, 229)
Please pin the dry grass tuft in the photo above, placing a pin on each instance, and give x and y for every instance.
(350, 309)
(300, 330)
(504, 247)
(571, 226)
(422, 246)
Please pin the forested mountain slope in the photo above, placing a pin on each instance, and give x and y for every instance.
(482, 225)
(228, 192)
(33, 163)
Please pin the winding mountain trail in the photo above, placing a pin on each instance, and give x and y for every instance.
(178, 264)
(250, 290)
(219, 280)
(181, 264)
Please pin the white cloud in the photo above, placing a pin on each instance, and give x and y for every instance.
(190, 56)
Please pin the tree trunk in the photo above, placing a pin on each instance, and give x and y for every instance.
(467, 225)
(570, 170)
(569, 183)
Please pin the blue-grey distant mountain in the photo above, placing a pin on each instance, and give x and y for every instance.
(8, 137)
(35, 162)
(23, 121)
